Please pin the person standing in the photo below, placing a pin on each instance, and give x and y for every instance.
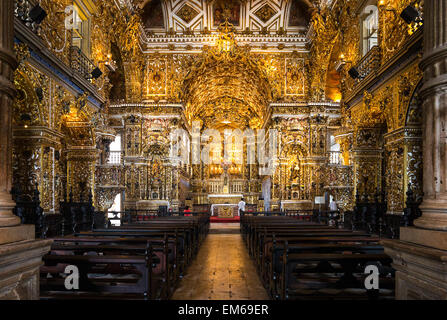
(333, 205)
(186, 212)
(241, 206)
(333, 213)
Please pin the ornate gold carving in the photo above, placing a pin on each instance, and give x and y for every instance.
(156, 77)
(295, 77)
(265, 13)
(226, 75)
(186, 13)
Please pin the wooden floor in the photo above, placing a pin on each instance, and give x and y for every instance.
(222, 270)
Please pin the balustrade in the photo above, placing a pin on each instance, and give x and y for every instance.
(335, 157)
(115, 157)
(81, 63)
(370, 214)
(22, 10)
(366, 66)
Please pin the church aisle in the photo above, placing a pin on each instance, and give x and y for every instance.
(222, 270)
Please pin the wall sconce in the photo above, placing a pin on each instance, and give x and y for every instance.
(109, 63)
(341, 63)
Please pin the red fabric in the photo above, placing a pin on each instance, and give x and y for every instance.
(235, 219)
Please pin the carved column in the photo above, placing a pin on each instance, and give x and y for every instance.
(367, 160)
(133, 80)
(81, 162)
(434, 97)
(420, 254)
(36, 160)
(20, 253)
(7, 65)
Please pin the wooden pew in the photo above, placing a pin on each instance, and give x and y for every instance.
(172, 240)
(293, 254)
(111, 276)
(350, 264)
(182, 249)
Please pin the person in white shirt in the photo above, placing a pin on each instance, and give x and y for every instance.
(333, 205)
(333, 214)
(241, 206)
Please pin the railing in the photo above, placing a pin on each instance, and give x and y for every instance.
(368, 64)
(115, 157)
(80, 63)
(314, 215)
(335, 157)
(370, 215)
(237, 187)
(22, 9)
(215, 187)
(73, 217)
(117, 218)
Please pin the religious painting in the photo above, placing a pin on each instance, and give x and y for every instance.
(299, 14)
(265, 13)
(187, 13)
(152, 16)
(226, 9)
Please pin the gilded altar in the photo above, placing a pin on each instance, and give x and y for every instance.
(296, 205)
(224, 205)
(224, 198)
(224, 210)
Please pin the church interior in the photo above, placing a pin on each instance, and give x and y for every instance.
(223, 149)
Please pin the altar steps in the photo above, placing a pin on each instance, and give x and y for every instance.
(224, 228)
(235, 219)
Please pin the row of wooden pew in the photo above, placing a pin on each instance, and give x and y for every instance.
(138, 260)
(306, 260)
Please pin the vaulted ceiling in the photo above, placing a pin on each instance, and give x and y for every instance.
(226, 91)
(292, 16)
(188, 25)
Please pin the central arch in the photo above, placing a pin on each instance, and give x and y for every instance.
(226, 89)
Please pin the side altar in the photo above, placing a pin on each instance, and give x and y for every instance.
(224, 205)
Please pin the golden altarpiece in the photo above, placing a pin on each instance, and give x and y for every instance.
(269, 65)
(338, 85)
